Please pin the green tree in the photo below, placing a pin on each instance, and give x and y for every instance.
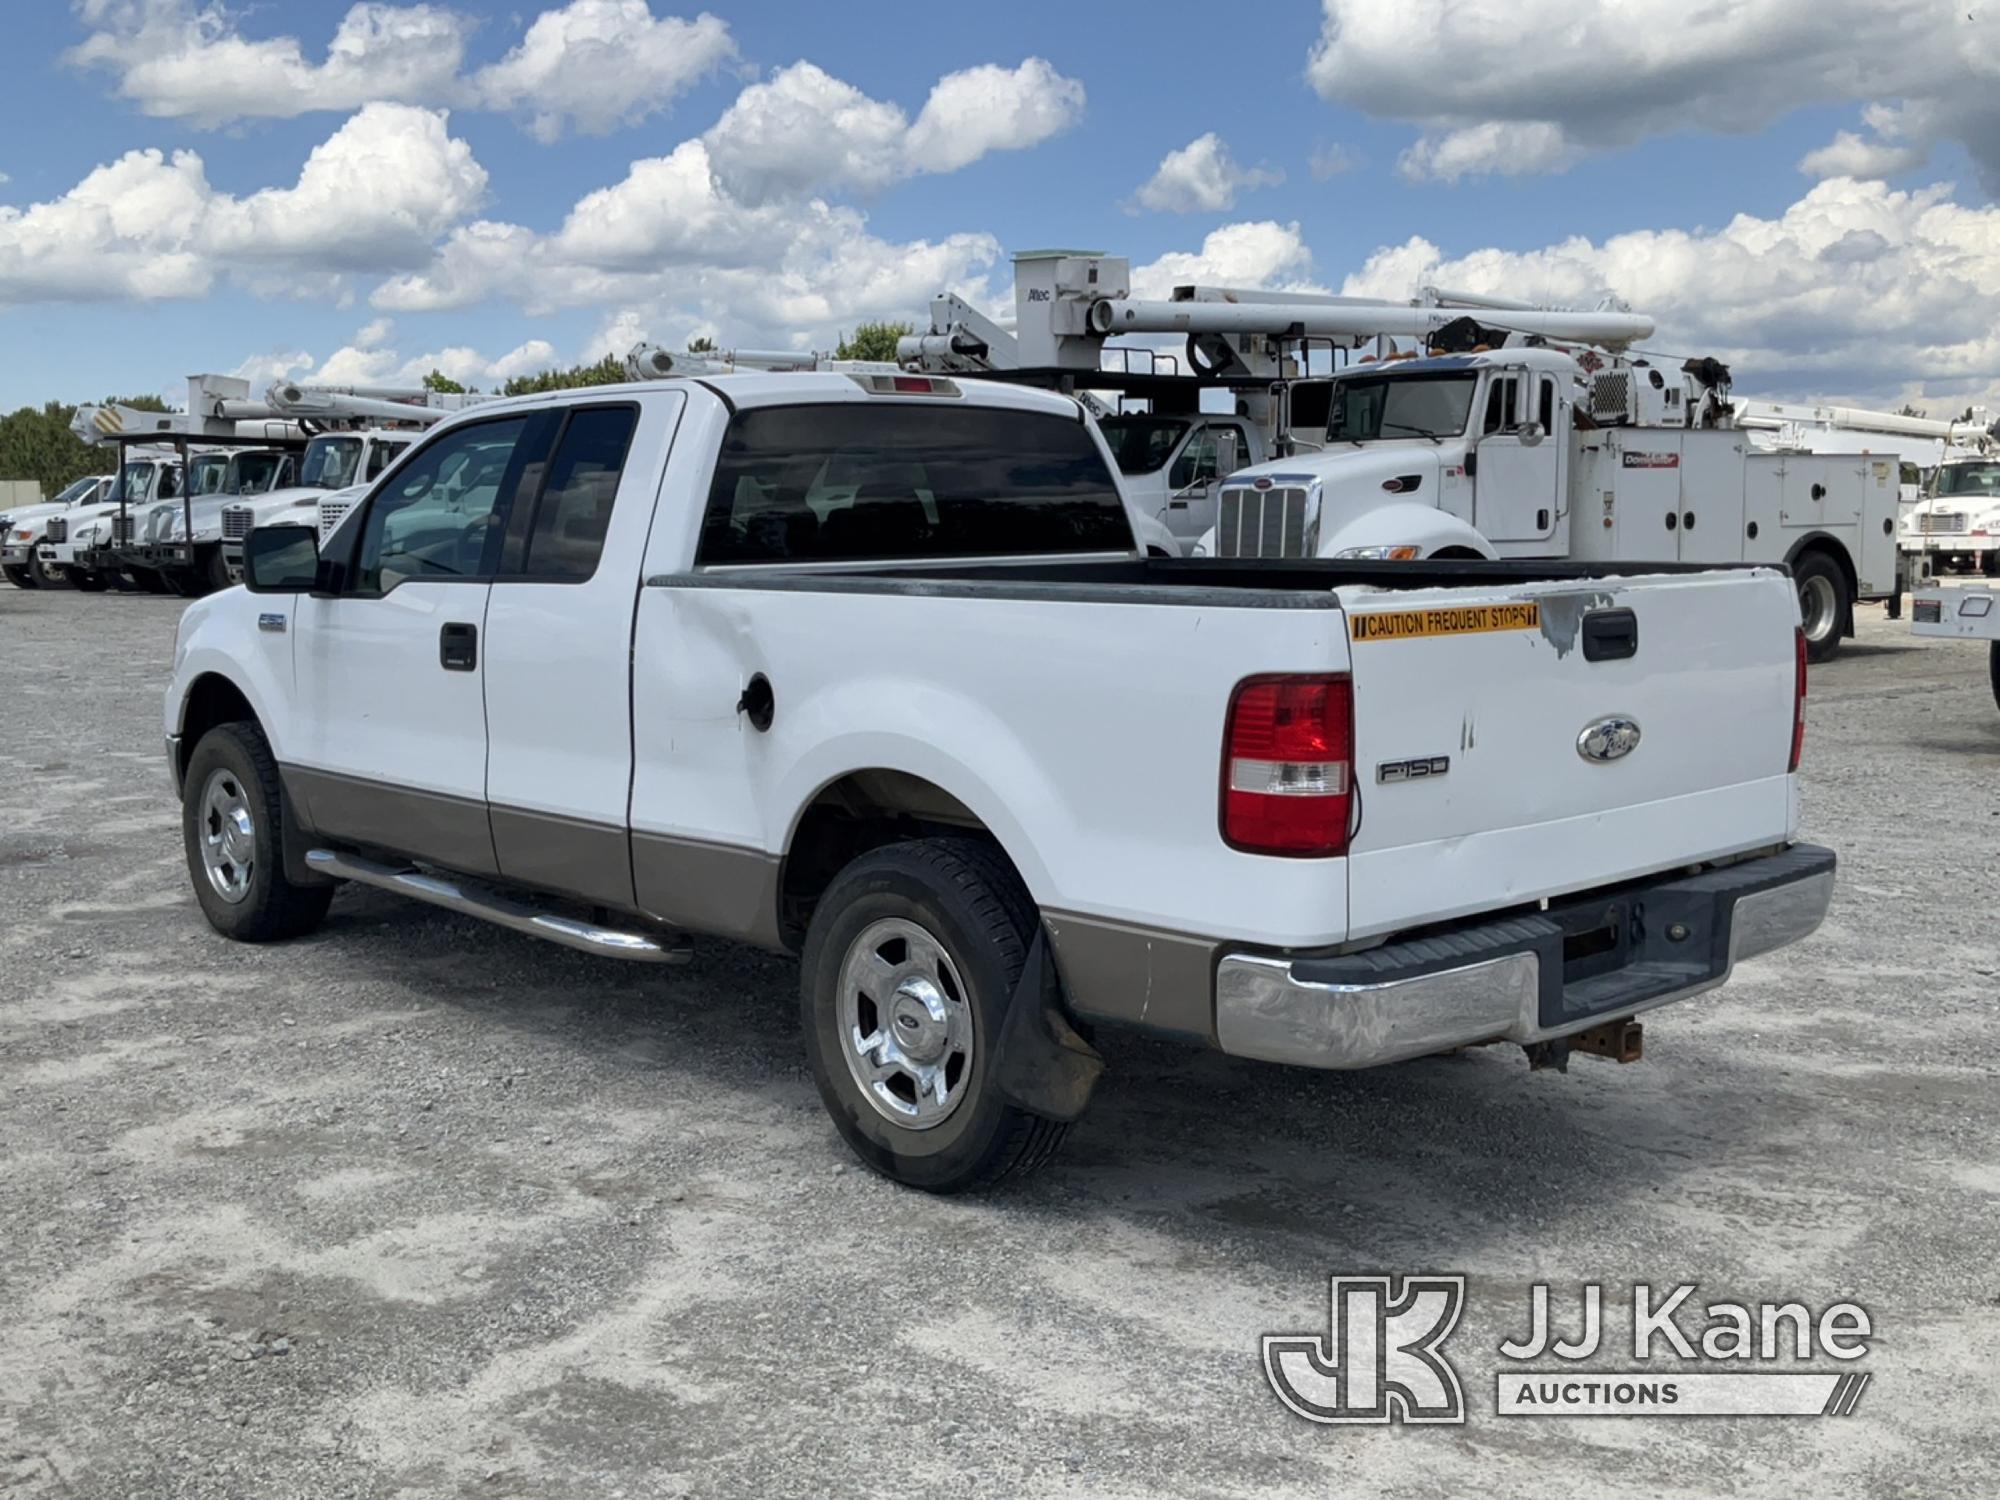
(609, 370)
(872, 341)
(36, 443)
(443, 384)
(702, 345)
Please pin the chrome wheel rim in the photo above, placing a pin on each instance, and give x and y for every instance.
(228, 836)
(1819, 604)
(905, 1024)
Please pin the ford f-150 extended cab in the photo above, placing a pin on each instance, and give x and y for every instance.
(870, 668)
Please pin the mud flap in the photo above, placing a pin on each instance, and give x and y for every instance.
(1044, 1066)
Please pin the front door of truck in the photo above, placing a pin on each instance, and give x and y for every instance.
(391, 672)
(1517, 484)
(1193, 477)
(558, 642)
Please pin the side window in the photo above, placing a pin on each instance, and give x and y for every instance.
(170, 484)
(380, 456)
(1197, 460)
(1547, 414)
(438, 519)
(1500, 405)
(574, 509)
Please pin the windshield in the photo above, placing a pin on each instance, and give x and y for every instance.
(208, 474)
(330, 463)
(1969, 479)
(1142, 443)
(255, 472)
(133, 480)
(1400, 406)
(75, 494)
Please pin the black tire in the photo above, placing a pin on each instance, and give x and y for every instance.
(88, 583)
(1824, 603)
(122, 581)
(1993, 670)
(19, 577)
(45, 578)
(150, 582)
(215, 572)
(965, 895)
(1989, 563)
(236, 759)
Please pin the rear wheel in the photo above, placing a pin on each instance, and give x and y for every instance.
(232, 814)
(910, 962)
(19, 577)
(1825, 611)
(1993, 670)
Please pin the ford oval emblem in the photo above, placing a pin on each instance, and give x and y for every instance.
(1607, 739)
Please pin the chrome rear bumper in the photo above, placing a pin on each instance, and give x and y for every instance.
(1511, 980)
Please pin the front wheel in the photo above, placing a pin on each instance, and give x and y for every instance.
(232, 816)
(45, 578)
(21, 578)
(1825, 611)
(910, 961)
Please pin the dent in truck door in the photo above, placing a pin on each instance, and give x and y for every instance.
(392, 744)
(559, 635)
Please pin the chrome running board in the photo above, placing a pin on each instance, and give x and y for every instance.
(583, 936)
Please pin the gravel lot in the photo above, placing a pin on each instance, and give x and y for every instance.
(418, 1207)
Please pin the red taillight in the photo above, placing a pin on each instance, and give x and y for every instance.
(1286, 778)
(1799, 702)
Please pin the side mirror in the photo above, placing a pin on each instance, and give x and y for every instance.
(281, 559)
(1531, 433)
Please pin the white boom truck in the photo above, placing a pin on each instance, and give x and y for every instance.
(1963, 613)
(1520, 452)
(1956, 524)
(866, 668)
(19, 552)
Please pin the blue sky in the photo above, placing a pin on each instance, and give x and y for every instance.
(1558, 128)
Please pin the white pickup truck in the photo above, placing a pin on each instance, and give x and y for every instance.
(869, 668)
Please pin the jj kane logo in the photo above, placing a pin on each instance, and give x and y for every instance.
(1382, 1358)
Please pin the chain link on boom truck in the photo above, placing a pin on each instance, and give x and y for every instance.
(1524, 432)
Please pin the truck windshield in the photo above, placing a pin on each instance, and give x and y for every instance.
(1366, 410)
(330, 463)
(888, 480)
(76, 493)
(255, 472)
(1142, 443)
(134, 480)
(208, 474)
(1969, 479)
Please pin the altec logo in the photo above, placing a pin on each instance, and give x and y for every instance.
(1380, 1359)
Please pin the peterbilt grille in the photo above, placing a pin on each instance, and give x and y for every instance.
(1939, 522)
(58, 529)
(1611, 396)
(121, 531)
(1263, 523)
(235, 523)
(330, 512)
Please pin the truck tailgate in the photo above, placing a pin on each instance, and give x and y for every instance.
(1517, 741)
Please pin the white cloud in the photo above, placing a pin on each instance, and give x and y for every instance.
(178, 60)
(1848, 155)
(590, 64)
(599, 64)
(803, 129)
(1654, 67)
(1855, 288)
(1201, 177)
(371, 198)
(1510, 148)
(1261, 253)
(1332, 160)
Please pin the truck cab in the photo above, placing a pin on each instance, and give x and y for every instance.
(1956, 524)
(1461, 455)
(24, 528)
(1172, 466)
(332, 462)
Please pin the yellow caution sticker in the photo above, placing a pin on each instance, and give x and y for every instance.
(1464, 619)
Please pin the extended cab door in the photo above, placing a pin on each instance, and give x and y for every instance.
(559, 649)
(391, 670)
(1519, 481)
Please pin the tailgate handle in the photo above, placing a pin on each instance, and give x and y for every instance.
(1610, 635)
